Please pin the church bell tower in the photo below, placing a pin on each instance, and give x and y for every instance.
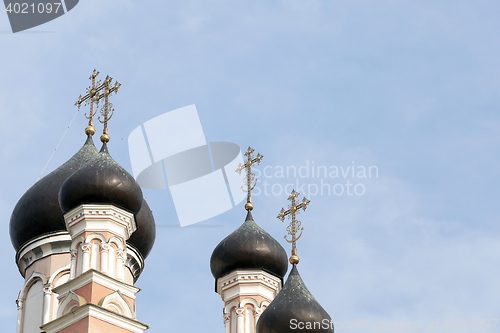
(82, 234)
(248, 266)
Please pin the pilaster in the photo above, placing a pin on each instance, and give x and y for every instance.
(47, 294)
(246, 293)
(97, 292)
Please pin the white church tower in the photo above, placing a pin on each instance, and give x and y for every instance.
(248, 267)
(81, 235)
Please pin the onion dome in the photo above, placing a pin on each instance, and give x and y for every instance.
(294, 309)
(144, 237)
(101, 180)
(38, 211)
(249, 247)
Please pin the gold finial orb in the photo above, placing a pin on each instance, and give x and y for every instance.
(90, 130)
(104, 138)
(248, 206)
(294, 259)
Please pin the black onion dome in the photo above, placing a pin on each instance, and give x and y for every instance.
(144, 237)
(38, 211)
(249, 247)
(294, 309)
(101, 180)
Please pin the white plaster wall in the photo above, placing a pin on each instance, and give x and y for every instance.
(33, 307)
(55, 303)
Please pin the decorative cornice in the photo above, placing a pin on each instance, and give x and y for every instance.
(134, 261)
(92, 310)
(60, 242)
(240, 286)
(248, 277)
(100, 278)
(100, 214)
(41, 247)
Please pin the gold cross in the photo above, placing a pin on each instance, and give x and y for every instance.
(250, 177)
(107, 107)
(93, 96)
(295, 225)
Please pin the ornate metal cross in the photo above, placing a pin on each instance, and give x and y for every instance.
(250, 177)
(295, 225)
(107, 107)
(93, 97)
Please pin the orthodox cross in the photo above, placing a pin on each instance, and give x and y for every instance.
(107, 107)
(295, 225)
(92, 97)
(250, 177)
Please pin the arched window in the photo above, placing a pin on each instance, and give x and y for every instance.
(61, 279)
(33, 307)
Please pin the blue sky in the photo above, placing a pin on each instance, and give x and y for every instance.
(412, 87)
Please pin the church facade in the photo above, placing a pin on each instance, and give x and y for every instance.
(82, 233)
